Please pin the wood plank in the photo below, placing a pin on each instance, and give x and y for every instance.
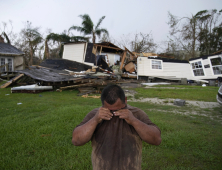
(104, 46)
(11, 81)
(130, 52)
(130, 67)
(123, 59)
(73, 86)
(100, 50)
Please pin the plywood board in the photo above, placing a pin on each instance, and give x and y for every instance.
(130, 67)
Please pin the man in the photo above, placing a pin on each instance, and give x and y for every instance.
(116, 131)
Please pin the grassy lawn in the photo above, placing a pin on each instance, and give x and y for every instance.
(37, 133)
(197, 93)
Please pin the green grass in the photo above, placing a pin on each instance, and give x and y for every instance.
(197, 93)
(37, 133)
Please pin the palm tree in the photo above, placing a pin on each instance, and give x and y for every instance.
(61, 38)
(88, 27)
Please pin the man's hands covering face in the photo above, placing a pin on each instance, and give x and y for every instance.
(103, 114)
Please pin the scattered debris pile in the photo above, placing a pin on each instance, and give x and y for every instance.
(61, 78)
(62, 74)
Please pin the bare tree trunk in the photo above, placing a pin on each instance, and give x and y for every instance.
(31, 56)
(94, 38)
(194, 39)
(46, 53)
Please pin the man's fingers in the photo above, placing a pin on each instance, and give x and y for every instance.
(106, 111)
(105, 114)
(120, 112)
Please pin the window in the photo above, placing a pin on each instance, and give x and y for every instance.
(197, 68)
(216, 65)
(156, 64)
(2, 63)
(9, 64)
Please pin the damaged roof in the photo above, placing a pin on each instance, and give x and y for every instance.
(109, 47)
(61, 64)
(9, 50)
(48, 74)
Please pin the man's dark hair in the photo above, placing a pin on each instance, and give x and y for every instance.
(111, 93)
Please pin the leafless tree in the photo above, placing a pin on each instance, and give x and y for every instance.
(139, 42)
(6, 31)
(143, 43)
(30, 42)
(196, 33)
(185, 32)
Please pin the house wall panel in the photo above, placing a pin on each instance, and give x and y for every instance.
(74, 52)
(178, 70)
(111, 57)
(207, 71)
(19, 63)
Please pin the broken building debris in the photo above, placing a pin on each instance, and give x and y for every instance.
(96, 65)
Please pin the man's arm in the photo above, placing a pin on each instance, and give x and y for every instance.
(82, 134)
(148, 133)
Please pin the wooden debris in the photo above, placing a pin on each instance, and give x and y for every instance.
(123, 59)
(85, 89)
(103, 70)
(11, 81)
(87, 96)
(130, 67)
(129, 76)
(73, 86)
(88, 92)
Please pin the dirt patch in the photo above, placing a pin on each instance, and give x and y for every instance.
(200, 108)
(201, 104)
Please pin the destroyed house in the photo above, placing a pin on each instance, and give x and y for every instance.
(163, 68)
(207, 67)
(204, 68)
(11, 58)
(88, 53)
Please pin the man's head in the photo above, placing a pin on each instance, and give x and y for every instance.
(111, 93)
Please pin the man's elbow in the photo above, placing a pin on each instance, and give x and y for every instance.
(158, 141)
(154, 141)
(76, 142)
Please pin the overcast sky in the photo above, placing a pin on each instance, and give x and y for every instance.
(122, 16)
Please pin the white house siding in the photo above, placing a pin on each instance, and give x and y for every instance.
(74, 52)
(169, 69)
(211, 68)
(208, 72)
(111, 57)
(19, 63)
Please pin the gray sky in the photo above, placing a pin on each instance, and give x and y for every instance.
(122, 16)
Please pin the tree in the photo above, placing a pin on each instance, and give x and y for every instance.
(210, 31)
(7, 32)
(140, 42)
(200, 32)
(88, 27)
(143, 43)
(184, 31)
(30, 42)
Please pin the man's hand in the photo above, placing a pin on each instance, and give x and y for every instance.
(125, 114)
(148, 133)
(103, 114)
